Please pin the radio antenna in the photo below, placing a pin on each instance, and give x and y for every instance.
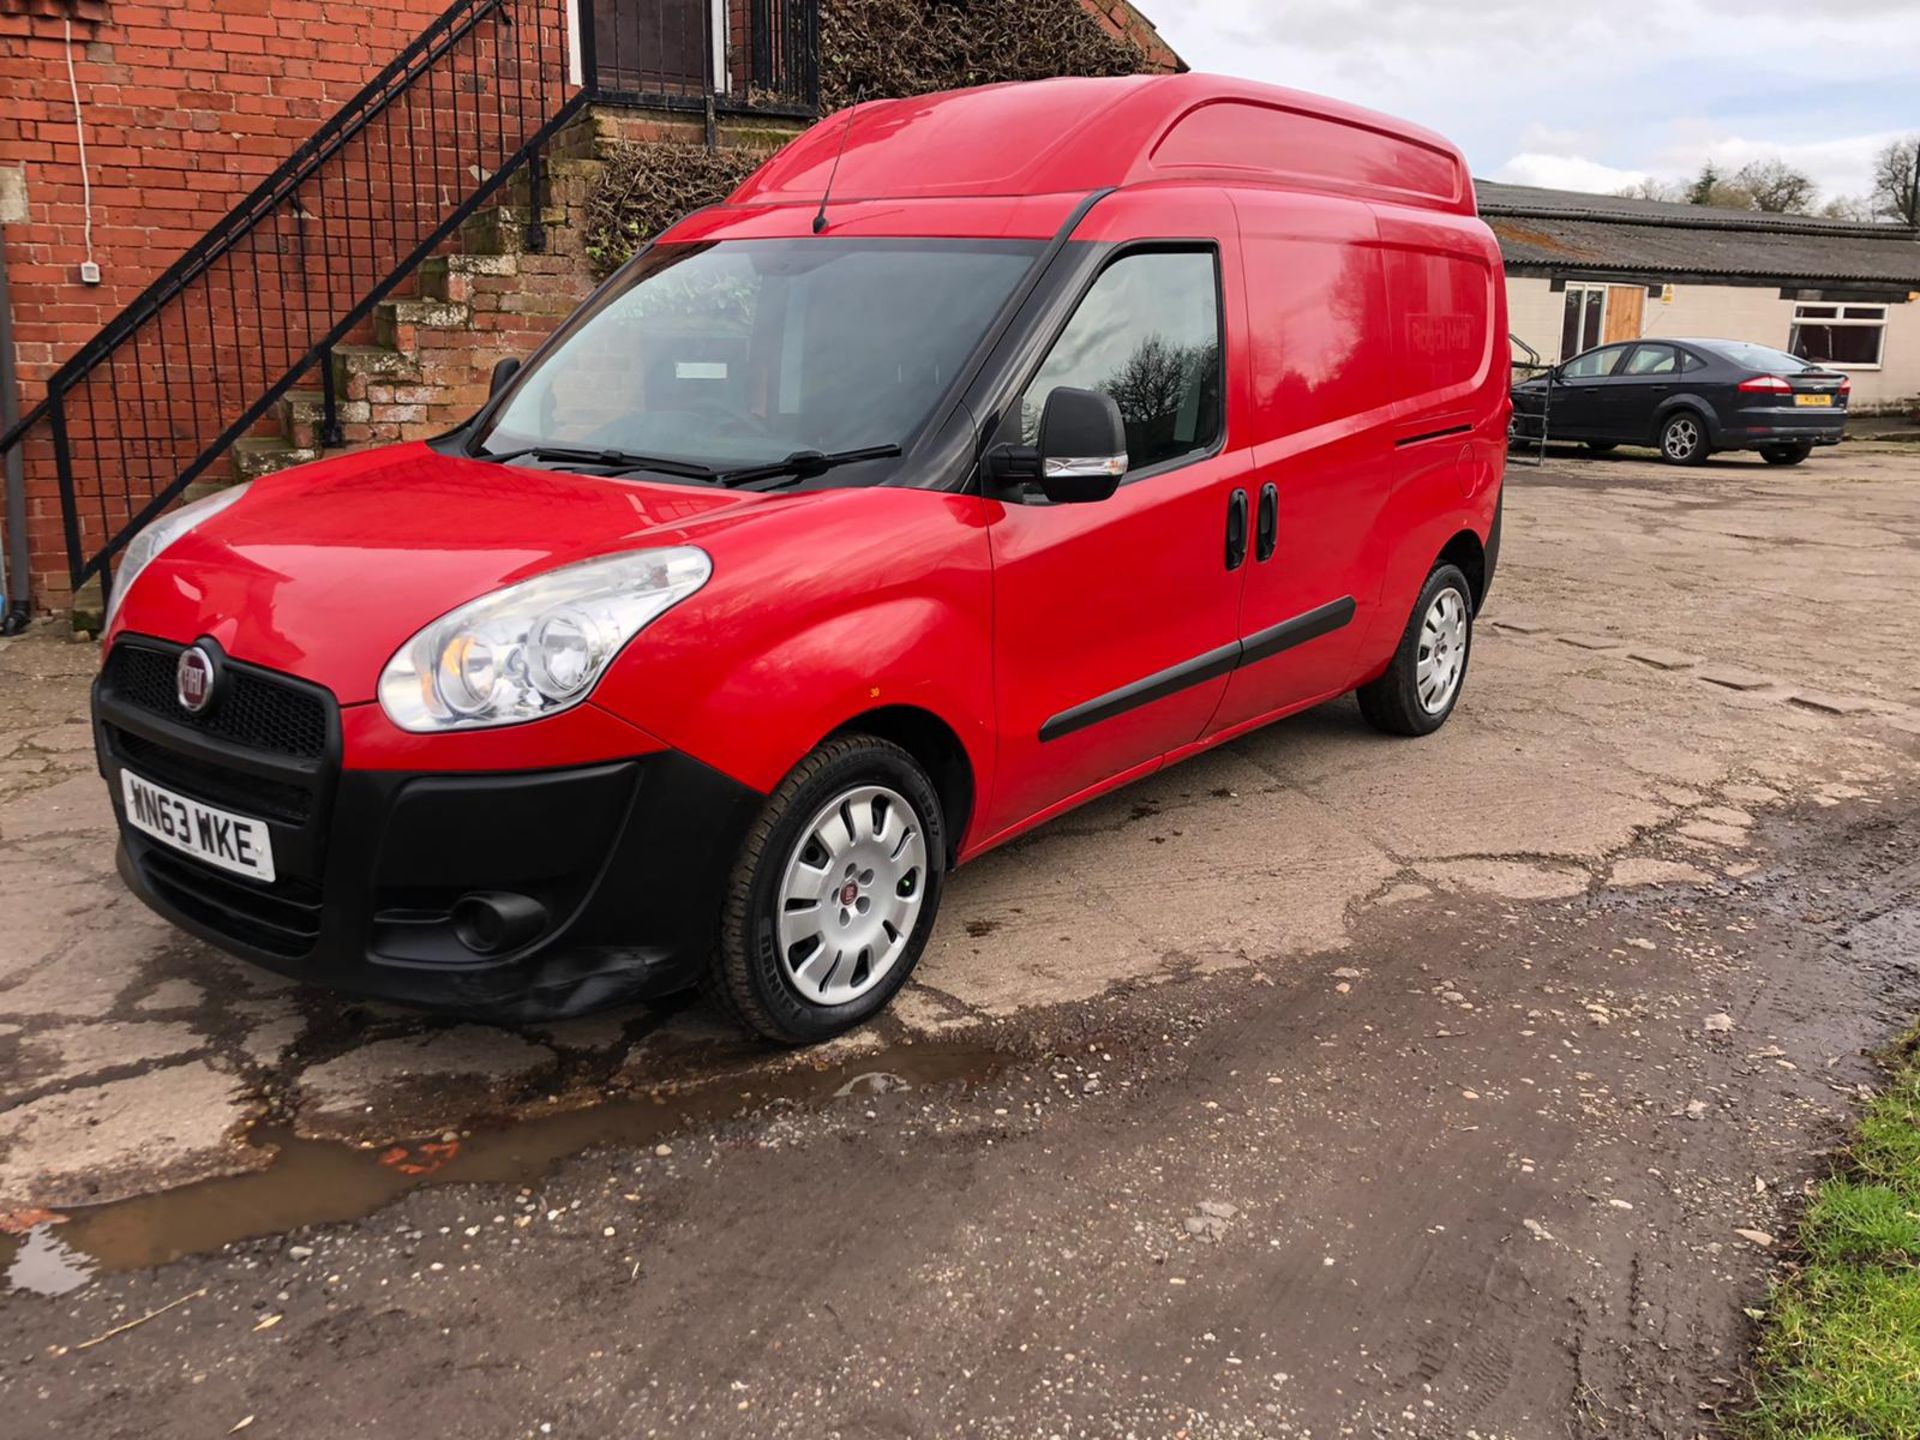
(820, 220)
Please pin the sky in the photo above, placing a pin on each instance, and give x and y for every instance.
(1585, 96)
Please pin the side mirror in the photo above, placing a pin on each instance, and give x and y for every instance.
(503, 371)
(1083, 446)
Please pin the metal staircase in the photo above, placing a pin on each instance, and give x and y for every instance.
(1527, 432)
(194, 363)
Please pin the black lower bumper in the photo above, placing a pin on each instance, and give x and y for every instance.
(624, 864)
(1762, 428)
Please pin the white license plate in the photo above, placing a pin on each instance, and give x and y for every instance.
(219, 837)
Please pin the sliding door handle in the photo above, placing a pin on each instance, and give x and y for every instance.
(1266, 528)
(1236, 529)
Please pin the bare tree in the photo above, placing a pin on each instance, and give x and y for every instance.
(1776, 186)
(1149, 386)
(1654, 188)
(1847, 207)
(1771, 185)
(1896, 182)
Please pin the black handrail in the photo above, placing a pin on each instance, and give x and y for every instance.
(204, 352)
(143, 409)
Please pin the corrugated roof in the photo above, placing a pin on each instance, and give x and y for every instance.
(1570, 230)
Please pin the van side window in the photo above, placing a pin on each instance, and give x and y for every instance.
(1148, 334)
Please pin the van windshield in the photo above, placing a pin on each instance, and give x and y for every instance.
(739, 353)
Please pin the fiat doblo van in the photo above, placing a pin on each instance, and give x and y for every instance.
(983, 452)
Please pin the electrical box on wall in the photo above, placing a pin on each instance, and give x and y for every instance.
(89, 273)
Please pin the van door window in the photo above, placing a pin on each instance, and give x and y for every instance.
(1148, 334)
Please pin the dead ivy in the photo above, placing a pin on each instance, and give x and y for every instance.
(883, 49)
(869, 50)
(647, 185)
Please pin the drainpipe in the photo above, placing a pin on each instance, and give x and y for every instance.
(14, 564)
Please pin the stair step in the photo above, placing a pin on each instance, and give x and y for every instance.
(257, 455)
(394, 321)
(312, 405)
(368, 361)
(449, 278)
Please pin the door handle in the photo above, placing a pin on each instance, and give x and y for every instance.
(1236, 529)
(1266, 525)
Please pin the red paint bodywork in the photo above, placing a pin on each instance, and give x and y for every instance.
(1364, 318)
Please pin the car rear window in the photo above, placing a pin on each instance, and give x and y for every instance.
(1761, 357)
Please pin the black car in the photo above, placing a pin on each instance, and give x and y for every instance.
(1688, 398)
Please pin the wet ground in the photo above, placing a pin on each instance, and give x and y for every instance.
(1322, 1085)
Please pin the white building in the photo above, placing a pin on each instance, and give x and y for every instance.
(1586, 269)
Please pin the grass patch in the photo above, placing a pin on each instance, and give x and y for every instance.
(1840, 1357)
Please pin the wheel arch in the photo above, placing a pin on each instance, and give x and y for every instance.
(1695, 403)
(937, 747)
(1466, 550)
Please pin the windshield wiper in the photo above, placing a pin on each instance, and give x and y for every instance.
(614, 462)
(804, 465)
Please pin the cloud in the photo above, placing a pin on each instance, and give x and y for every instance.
(1586, 93)
(1566, 172)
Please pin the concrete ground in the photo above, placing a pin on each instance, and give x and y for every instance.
(1196, 1040)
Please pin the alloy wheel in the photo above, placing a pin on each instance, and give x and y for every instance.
(1682, 438)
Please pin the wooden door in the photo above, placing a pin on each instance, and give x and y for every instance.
(1626, 312)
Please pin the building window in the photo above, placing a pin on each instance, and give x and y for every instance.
(1847, 336)
(1580, 322)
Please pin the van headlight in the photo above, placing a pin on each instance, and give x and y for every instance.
(144, 547)
(537, 647)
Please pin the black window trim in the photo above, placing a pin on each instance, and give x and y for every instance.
(1123, 250)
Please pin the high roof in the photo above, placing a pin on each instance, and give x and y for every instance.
(1077, 135)
(1571, 232)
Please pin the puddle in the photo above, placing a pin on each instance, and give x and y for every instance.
(317, 1182)
(44, 1264)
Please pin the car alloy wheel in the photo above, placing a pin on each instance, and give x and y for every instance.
(1682, 438)
(1443, 651)
(850, 894)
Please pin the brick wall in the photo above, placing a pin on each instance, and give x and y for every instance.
(1122, 21)
(187, 105)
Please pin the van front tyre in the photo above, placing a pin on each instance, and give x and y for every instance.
(833, 895)
(1422, 684)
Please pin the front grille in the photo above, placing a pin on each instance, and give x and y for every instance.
(216, 785)
(250, 708)
(283, 919)
(265, 747)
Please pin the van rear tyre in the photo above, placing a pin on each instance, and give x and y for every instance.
(1422, 683)
(833, 895)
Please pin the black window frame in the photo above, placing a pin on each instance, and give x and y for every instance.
(1123, 251)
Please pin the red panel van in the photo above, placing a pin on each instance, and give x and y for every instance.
(983, 452)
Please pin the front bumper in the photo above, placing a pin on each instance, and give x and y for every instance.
(627, 861)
